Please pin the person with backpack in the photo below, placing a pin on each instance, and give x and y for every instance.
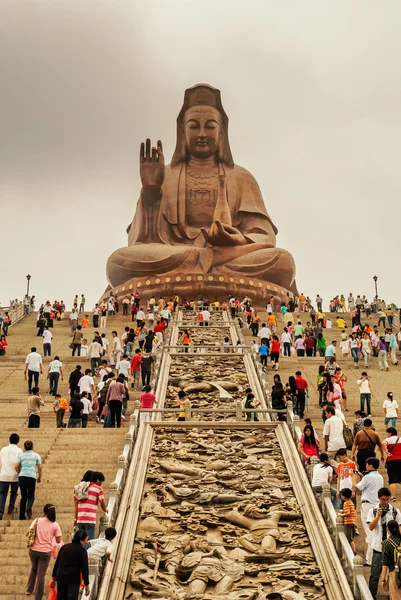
(391, 561)
(378, 518)
(102, 395)
(365, 442)
(86, 500)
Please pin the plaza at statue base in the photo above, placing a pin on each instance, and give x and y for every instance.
(200, 225)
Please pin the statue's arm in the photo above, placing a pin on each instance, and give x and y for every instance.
(253, 220)
(144, 228)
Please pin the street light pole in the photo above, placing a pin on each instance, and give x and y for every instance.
(375, 278)
(28, 277)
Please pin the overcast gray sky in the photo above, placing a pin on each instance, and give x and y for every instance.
(312, 90)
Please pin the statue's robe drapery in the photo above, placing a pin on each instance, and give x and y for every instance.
(160, 240)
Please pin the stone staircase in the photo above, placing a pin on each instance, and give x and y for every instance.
(66, 454)
(381, 383)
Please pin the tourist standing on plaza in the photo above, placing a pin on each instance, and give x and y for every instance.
(46, 530)
(390, 566)
(95, 354)
(302, 387)
(60, 405)
(77, 340)
(390, 408)
(383, 364)
(86, 504)
(54, 372)
(135, 368)
(76, 409)
(73, 380)
(33, 366)
(72, 564)
(95, 316)
(114, 399)
(365, 392)
(333, 433)
(365, 442)
(369, 486)
(115, 353)
(86, 384)
(47, 342)
(82, 304)
(9, 456)
(392, 447)
(377, 520)
(147, 366)
(73, 320)
(34, 404)
(29, 469)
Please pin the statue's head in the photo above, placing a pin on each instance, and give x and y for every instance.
(202, 127)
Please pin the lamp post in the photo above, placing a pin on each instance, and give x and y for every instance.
(375, 280)
(28, 278)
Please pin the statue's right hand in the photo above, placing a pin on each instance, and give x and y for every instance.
(151, 164)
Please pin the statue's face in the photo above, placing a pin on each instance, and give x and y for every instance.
(202, 130)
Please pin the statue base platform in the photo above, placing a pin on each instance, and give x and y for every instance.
(216, 287)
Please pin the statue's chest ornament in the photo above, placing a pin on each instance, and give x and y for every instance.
(201, 188)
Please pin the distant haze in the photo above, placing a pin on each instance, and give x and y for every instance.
(313, 93)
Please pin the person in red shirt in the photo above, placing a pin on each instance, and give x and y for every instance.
(147, 401)
(275, 351)
(309, 344)
(302, 387)
(159, 329)
(135, 368)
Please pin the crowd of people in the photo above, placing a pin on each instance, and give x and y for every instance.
(116, 367)
(21, 469)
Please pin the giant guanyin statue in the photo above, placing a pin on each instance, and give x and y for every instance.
(201, 217)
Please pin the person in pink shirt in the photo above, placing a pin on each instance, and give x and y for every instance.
(47, 530)
(147, 401)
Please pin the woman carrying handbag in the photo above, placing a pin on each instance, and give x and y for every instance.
(40, 543)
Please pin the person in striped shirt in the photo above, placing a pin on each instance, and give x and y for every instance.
(86, 508)
(349, 513)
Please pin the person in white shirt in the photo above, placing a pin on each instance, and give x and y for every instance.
(115, 353)
(95, 354)
(333, 434)
(390, 408)
(47, 342)
(33, 366)
(377, 520)
(124, 366)
(8, 475)
(264, 333)
(84, 347)
(286, 342)
(105, 344)
(364, 392)
(323, 473)
(140, 317)
(73, 320)
(369, 485)
(86, 384)
(87, 408)
(206, 317)
(54, 372)
(102, 547)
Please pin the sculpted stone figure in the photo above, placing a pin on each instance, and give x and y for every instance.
(202, 214)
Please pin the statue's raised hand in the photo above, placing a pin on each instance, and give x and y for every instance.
(151, 164)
